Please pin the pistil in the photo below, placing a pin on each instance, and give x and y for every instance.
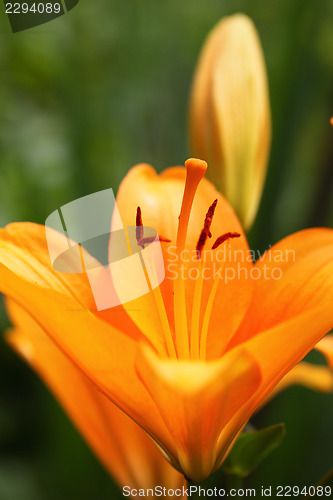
(195, 171)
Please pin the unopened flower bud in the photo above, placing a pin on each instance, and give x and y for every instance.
(230, 124)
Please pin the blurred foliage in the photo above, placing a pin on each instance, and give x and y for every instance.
(88, 95)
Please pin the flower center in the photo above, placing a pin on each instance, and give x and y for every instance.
(187, 344)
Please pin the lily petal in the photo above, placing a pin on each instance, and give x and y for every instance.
(99, 350)
(27, 241)
(316, 377)
(276, 350)
(24, 249)
(121, 445)
(196, 400)
(325, 346)
(303, 281)
(280, 348)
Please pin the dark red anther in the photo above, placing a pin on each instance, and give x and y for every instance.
(141, 241)
(223, 238)
(139, 226)
(205, 233)
(150, 239)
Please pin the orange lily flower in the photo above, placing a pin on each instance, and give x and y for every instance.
(193, 359)
(120, 444)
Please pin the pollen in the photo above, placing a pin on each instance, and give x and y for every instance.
(150, 239)
(141, 241)
(223, 238)
(205, 233)
(139, 226)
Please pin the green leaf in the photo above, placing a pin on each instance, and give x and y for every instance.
(252, 448)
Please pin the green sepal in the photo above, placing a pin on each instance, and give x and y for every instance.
(251, 448)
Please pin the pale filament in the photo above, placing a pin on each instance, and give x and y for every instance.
(208, 312)
(160, 307)
(195, 339)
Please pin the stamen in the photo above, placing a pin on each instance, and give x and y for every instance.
(150, 239)
(195, 171)
(139, 226)
(223, 238)
(159, 303)
(141, 241)
(205, 233)
(331, 121)
(196, 313)
(165, 322)
(208, 311)
(157, 294)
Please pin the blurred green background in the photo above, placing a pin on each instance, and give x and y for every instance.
(88, 95)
